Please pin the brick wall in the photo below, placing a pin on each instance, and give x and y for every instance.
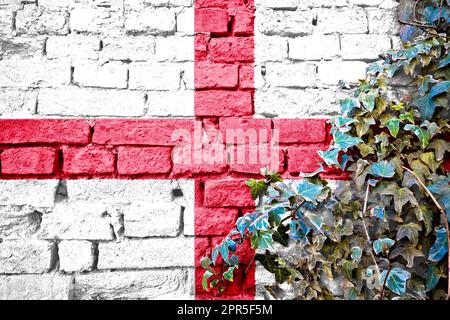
(92, 205)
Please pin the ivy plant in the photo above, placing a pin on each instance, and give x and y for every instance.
(383, 234)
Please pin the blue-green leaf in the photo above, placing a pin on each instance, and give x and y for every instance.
(347, 105)
(383, 245)
(396, 280)
(382, 169)
(228, 275)
(205, 278)
(309, 191)
(440, 248)
(426, 104)
(394, 126)
(262, 240)
(298, 230)
(344, 141)
(445, 61)
(330, 157)
(356, 254)
(315, 219)
(377, 212)
(432, 277)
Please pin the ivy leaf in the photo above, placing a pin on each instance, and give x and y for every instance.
(410, 230)
(423, 134)
(363, 125)
(347, 106)
(262, 239)
(281, 235)
(356, 254)
(401, 195)
(382, 169)
(408, 253)
(394, 126)
(396, 280)
(206, 262)
(228, 275)
(330, 157)
(425, 214)
(382, 245)
(315, 219)
(368, 100)
(424, 83)
(298, 230)
(256, 187)
(270, 263)
(440, 147)
(440, 248)
(445, 61)
(309, 191)
(430, 161)
(344, 141)
(377, 212)
(426, 104)
(205, 278)
(432, 277)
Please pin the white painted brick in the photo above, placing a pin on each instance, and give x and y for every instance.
(19, 222)
(19, 48)
(55, 4)
(383, 21)
(6, 21)
(25, 256)
(170, 3)
(185, 21)
(90, 102)
(75, 256)
(156, 76)
(149, 253)
(106, 75)
(98, 20)
(77, 220)
(284, 23)
(270, 48)
(189, 221)
(294, 103)
(134, 285)
(170, 103)
(314, 47)
(17, 104)
(73, 46)
(34, 20)
(373, 3)
(129, 48)
(278, 4)
(175, 48)
(331, 72)
(142, 220)
(35, 193)
(341, 21)
(359, 46)
(291, 75)
(151, 20)
(35, 287)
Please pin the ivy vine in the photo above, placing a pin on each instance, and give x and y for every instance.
(384, 234)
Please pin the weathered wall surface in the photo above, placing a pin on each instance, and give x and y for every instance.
(96, 208)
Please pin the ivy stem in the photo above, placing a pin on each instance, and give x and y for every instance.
(362, 213)
(384, 283)
(442, 211)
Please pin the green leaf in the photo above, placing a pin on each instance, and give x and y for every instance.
(401, 195)
(309, 191)
(363, 125)
(256, 187)
(394, 126)
(410, 230)
(344, 141)
(330, 157)
(228, 275)
(205, 278)
(408, 253)
(382, 169)
(396, 280)
(382, 245)
(281, 235)
(270, 263)
(440, 147)
(423, 134)
(430, 161)
(440, 247)
(206, 263)
(262, 239)
(426, 104)
(425, 214)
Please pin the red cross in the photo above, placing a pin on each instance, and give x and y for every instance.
(141, 148)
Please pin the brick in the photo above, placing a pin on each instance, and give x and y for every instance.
(189, 170)
(143, 220)
(227, 193)
(292, 103)
(314, 47)
(33, 20)
(17, 103)
(34, 73)
(96, 20)
(170, 103)
(364, 46)
(244, 22)
(175, 48)
(88, 160)
(201, 44)
(251, 158)
(245, 131)
(73, 46)
(347, 20)
(149, 253)
(246, 77)
(332, 72)
(134, 285)
(211, 20)
(79, 220)
(35, 287)
(215, 76)
(185, 21)
(29, 256)
(128, 48)
(107, 75)
(383, 21)
(214, 222)
(22, 48)
(34, 193)
(151, 21)
(19, 222)
(291, 75)
(91, 102)
(75, 256)
(223, 103)
(6, 22)
(231, 49)
(304, 159)
(20, 131)
(202, 248)
(301, 130)
(137, 160)
(37, 160)
(158, 76)
(271, 48)
(157, 132)
(285, 23)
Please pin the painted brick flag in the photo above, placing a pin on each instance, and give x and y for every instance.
(130, 126)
